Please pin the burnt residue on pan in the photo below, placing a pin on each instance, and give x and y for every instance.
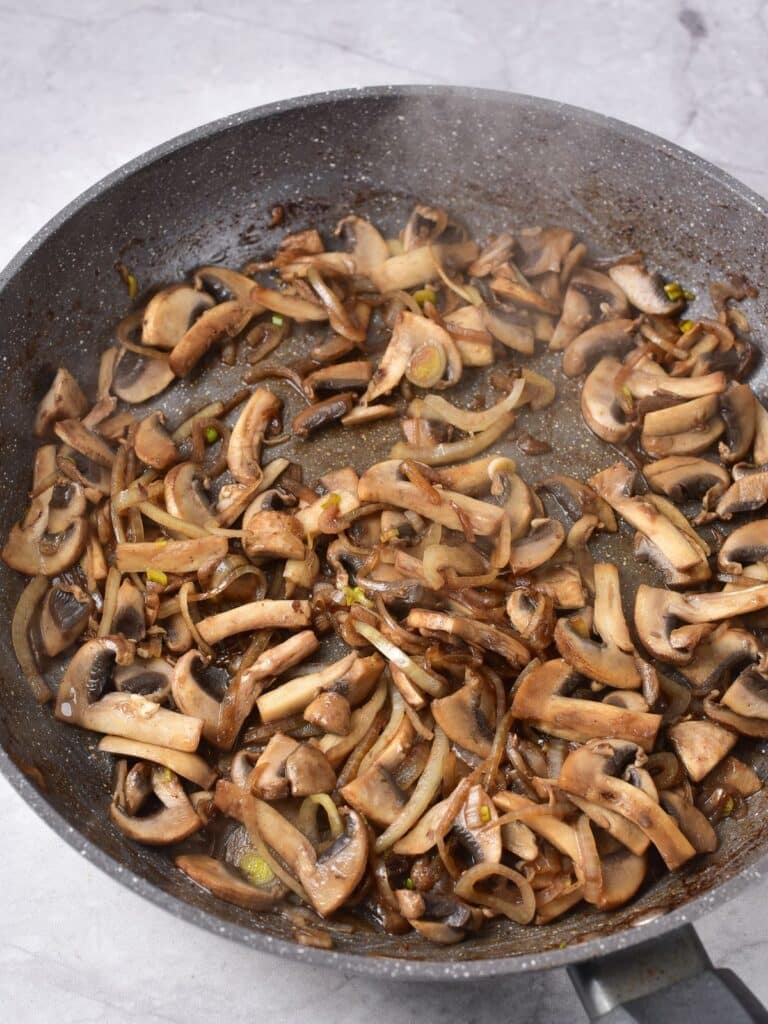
(495, 160)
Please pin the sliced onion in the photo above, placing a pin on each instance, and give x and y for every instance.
(31, 596)
(522, 911)
(433, 407)
(397, 713)
(589, 869)
(308, 815)
(455, 451)
(423, 795)
(418, 675)
(109, 607)
(171, 522)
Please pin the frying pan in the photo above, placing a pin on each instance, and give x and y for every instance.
(497, 160)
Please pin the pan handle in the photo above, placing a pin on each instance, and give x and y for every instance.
(668, 979)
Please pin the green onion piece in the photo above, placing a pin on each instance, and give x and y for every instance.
(425, 295)
(673, 290)
(688, 294)
(277, 320)
(485, 814)
(157, 576)
(332, 501)
(255, 868)
(133, 286)
(686, 325)
(211, 435)
(728, 807)
(356, 595)
(409, 883)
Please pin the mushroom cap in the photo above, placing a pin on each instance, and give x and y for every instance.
(577, 500)
(466, 716)
(214, 876)
(700, 746)
(308, 771)
(64, 615)
(176, 819)
(136, 379)
(544, 539)
(644, 289)
(738, 407)
(604, 662)
(747, 543)
(150, 678)
(88, 674)
(184, 496)
(684, 477)
(600, 405)
(610, 338)
(63, 400)
(244, 450)
(746, 494)
(225, 320)
(153, 444)
(375, 794)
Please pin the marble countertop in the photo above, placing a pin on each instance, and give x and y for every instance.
(88, 84)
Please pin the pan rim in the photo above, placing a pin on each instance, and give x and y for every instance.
(368, 965)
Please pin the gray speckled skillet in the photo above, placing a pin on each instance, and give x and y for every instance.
(497, 160)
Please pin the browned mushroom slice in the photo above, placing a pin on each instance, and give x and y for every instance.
(760, 446)
(611, 660)
(193, 699)
(321, 414)
(64, 615)
(176, 819)
(269, 534)
(184, 496)
(170, 313)
(376, 794)
(511, 327)
(244, 449)
(616, 485)
(542, 699)
(225, 320)
(226, 283)
(726, 650)
(149, 677)
(438, 918)
(520, 293)
(747, 543)
(600, 404)
(700, 746)
(623, 872)
(136, 379)
(255, 615)
(611, 338)
(746, 494)
(328, 879)
(590, 296)
(177, 556)
(496, 251)
(425, 225)
(369, 249)
(684, 477)
(543, 541)
(734, 776)
(188, 766)
(577, 500)
(383, 482)
(63, 401)
(217, 878)
(685, 429)
(410, 335)
(748, 695)
(350, 376)
(656, 613)
(296, 694)
(592, 772)
(308, 771)
(85, 441)
(540, 821)
(644, 289)
(479, 634)
(563, 583)
(466, 717)
(129, 616)
(738, 407)
(153, 444)
(414, 268)
(692, 823)
(469, 329)
(331, 712)
(532, 615)
(80, 702)
(268, 779)
(30, 549)
(543, 249)
(483, 845)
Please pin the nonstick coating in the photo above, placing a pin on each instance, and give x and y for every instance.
(497, 160)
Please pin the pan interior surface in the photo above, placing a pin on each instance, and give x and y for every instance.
(497, 161)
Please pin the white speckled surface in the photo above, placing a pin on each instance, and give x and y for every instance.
(90, 84)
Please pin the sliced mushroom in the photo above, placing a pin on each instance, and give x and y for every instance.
(322, 414)
(218, 879)
(726, 650)
(170, 313)
(532, 615)
(177, 556)
(543, 249)
(226, 320)
(226, 284)
(184, 495)
(80, 701)
(188, 766)
(296, 694)
(591, 296)
(192, 699)
(244, 449)
(656, 612)
(685, 429)
(150, 678)
(700, 746)
(592, 772)
(63, 401)
(410, 335)
(578, 500)
(64, 615)
(541, 698)
(268, 779)
(685, 477)
(331, 712)
(383, 482)
(692, 823)
(644, 289)
(746, 494)
(623, 872)
(176, 820)
(350, 376)
(153, 444)
(369, 249)
(738, 407)
(376, 794)
(611, 338)
(748, 695)
(616, 485)
(466, 717)
(272, 535)
(85, 441)
(483, 844)
(600, 405)
(129, 618)
(479, 634)
(308, 771)
(543, 541)
(136, 379)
